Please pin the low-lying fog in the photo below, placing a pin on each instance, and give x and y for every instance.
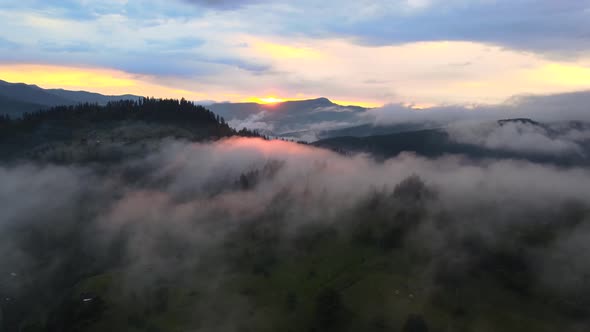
(166, 212)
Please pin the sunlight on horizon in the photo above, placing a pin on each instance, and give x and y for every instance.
(115, 82)
(268, 100)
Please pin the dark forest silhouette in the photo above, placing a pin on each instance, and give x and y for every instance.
(181, 113)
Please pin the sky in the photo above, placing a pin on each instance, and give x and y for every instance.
(370, 53)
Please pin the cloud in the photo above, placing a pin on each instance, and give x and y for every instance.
(561, 126)
(222, 4)
(253, 122)
(195, 48)
(555, 29)
(518, 137)
(545, 27)
(546, 108)
(89, 11)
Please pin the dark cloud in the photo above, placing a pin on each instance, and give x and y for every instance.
(558, 29)
(554, 28)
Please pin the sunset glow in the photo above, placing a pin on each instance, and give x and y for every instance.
(106, 81)
(270, 100)
(68, 77)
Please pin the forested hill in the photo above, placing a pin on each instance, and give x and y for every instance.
(68, 133)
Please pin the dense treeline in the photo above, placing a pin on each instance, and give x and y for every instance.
(96, 133)
(181, 113)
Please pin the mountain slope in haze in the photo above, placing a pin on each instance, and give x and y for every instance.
(290, 116)
(7, 104)
(19, 98)
(375, 129)
(442, 141)
(362, 130)
(429, 142)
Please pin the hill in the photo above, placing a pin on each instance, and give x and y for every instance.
(91, 132)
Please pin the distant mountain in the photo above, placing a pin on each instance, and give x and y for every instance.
(31, 94)
(361, 130)
(521, 121)
(430, 143)
(290, 116)
(19, 98)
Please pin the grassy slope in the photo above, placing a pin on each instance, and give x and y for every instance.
(378, 290)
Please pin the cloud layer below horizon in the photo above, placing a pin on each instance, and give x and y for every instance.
(184, 187)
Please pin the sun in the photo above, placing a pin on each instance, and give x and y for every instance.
(270, 100)
(265, 100)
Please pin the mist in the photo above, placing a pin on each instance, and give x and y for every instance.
(544, 108)
(176, 209)
(523, 136)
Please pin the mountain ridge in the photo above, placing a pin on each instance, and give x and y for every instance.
(19, 98)
(290, 116)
